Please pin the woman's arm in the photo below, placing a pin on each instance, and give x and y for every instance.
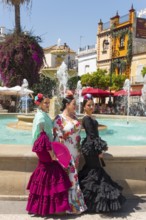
(52, 154)
(89, 127)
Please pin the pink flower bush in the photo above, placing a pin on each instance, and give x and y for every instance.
(21, 57)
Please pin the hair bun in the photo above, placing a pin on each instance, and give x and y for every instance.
(69, 94)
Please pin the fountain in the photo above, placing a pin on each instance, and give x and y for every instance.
(24, 95)
(59, 93)
(24, 120)
(143, 95)
(62, 76)
(126, 87)
(139, 108)
(19, 161)
(79, 96)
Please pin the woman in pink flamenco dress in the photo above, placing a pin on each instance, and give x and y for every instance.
(49, 183)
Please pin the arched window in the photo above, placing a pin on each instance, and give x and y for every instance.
(105, 45)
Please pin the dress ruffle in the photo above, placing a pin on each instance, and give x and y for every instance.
(46, 205)
(101, 193)
(47, 180)
(42, 143)
(92, 146)
(48, 188)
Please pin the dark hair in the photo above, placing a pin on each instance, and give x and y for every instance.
(86, 98)
(67, 100)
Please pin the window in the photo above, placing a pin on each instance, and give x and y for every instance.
(122, 42)
(105, 45)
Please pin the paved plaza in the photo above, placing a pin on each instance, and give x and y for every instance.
(133, 209)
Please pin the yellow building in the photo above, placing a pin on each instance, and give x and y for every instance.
(117, 42)
(54, 56)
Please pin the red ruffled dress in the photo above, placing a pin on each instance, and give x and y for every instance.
(49, 183)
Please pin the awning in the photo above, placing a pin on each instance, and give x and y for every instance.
(124, 93)
(95, 92)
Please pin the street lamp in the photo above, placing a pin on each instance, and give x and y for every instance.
(119, 66)
(110, 73)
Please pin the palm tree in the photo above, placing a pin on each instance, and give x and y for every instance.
(16, 4)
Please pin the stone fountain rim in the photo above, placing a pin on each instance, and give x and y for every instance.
(96, 115)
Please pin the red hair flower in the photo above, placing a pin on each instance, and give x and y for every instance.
(38, 98)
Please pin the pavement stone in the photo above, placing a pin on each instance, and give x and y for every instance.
(133, 209)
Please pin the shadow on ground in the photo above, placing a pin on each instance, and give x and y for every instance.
(133, 204)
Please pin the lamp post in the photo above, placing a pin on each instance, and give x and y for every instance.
(110, 73)
(111, 69)
(119, 66)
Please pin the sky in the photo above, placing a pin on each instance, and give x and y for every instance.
(75, 22)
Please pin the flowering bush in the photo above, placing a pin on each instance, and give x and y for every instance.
(21, 57)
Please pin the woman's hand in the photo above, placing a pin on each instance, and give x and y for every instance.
(61, 140)
(100, 155)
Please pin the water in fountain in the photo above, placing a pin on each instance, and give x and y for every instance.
(126, 87)
(62, 76)
(78, 96)
(25, 99)
(143, 95)
(59, 92)
(139, 108)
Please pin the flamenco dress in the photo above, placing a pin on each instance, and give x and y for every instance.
(49, 184)
(101, 193)
(70, 133)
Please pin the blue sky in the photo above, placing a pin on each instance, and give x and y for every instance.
(73, 21)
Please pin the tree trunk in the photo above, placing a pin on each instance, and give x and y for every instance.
(17, 19)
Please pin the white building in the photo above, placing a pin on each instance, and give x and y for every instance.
(87, 60)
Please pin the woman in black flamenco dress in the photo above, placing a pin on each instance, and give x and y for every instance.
(100, 192)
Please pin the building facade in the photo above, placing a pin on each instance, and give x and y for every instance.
(118, 47)
(87, 59)
(55, 55)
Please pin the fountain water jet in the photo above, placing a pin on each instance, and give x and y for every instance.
(126, 87)
(62, 76)
(143, 95)
(79, 96)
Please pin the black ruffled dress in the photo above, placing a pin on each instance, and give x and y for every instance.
(100, 192)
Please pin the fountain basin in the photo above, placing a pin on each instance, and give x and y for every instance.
(24, 122)
(125, 165)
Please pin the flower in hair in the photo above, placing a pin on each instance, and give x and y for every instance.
(87, 96)
(38, 98)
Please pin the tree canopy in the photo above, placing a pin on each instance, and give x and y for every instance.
(143, 72)
(100, 79)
